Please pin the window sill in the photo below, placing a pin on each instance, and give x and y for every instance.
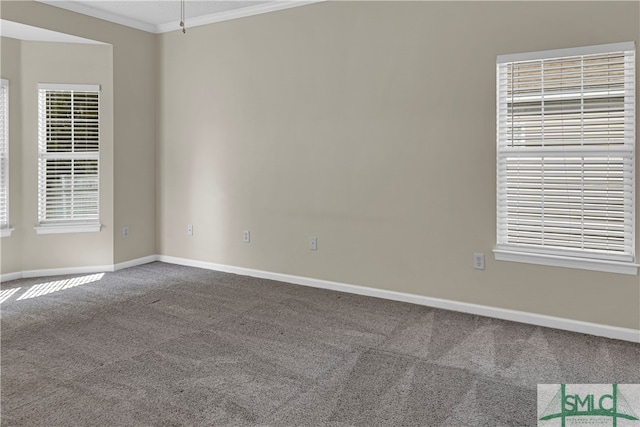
(68, 228)
(6, 232)
(607, 266)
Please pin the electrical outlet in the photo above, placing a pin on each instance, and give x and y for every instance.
(190, 230)
(313, 243)
(246, 236)
(478, 261)
(125, 231)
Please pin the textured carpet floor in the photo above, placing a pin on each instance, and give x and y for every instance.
(162, 344)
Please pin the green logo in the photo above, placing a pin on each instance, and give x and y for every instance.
(589, 404)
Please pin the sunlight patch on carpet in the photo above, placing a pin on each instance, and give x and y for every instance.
(7, 293)
(59, 285)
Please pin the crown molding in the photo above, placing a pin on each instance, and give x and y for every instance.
(100, 14)
(234, 14)
(173, 26)
(18, 31)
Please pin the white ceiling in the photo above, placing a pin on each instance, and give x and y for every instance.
(160, 16)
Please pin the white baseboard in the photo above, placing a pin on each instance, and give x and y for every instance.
(135, 262)
(10, 276)
(596, 329)
(77, 270)
(625, 334)
(66, 271)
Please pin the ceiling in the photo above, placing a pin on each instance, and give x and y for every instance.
(161, 16)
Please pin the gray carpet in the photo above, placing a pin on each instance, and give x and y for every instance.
(166, 345)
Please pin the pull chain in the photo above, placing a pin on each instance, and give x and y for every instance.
(182, 17)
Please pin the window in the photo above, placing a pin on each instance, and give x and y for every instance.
(4, 159)
(565, 157)
(69, 151)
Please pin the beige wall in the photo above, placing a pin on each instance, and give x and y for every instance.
(65, 63)
(372, 127)
(11, 247)
(369, 125)
(133, 163)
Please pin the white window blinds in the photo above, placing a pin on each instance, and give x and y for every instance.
(69, 148)
(565, 152)
(4, 153)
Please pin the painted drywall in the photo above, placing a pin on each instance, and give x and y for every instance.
(134, 92)
(11, 247)
(44, 62)
(370, 125)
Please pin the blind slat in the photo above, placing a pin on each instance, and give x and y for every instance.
(4, 153)
(69, 144)
(566, 152)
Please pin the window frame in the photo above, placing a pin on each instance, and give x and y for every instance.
(505, 250)
(66, 225)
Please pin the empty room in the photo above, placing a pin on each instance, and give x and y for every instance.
(319, 213)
